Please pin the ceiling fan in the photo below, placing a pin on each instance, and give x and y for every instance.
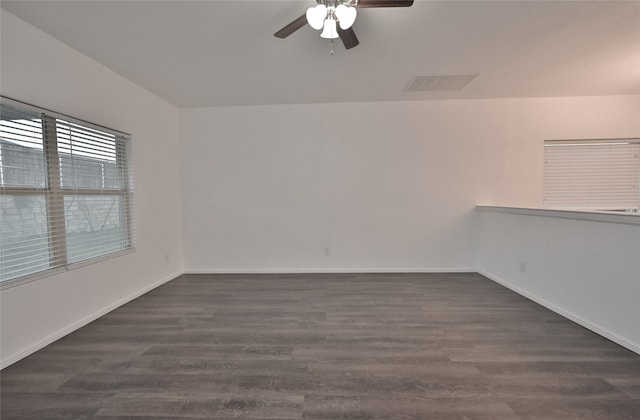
(335, 18)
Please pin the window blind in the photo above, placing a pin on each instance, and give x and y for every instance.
(66, 191)
(24, 239)
(592, 175)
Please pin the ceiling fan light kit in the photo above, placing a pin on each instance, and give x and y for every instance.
(326, 15)
(315, 16)
(336, 17)
(346, 16)
(329, 31)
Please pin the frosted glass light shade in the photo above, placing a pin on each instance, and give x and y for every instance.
(330, 31)
(316, 16)
(346, 16)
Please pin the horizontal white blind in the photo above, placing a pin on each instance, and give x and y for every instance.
(22, 149)
(94, 183)
(592, 175)
(65, 191)
(24, 246)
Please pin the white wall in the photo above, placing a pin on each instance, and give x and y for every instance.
(587, 270)
(38, 69)
(385, 186)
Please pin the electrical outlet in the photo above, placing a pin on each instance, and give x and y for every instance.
(166, 258)
(327, 252)
(523, 266)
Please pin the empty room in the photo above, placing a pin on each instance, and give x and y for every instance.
(331, 209)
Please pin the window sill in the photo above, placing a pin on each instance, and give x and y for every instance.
(8, 284)
(594, 216)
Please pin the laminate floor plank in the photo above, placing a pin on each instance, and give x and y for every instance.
(46, 405)
(327, 346)
(247, 407)
(365, 407)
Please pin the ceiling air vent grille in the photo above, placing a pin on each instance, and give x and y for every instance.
(440, 82)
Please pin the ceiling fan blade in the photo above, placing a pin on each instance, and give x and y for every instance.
(348, 37)
(385, 3)
(292, 27)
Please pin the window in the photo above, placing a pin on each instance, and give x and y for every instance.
(65, 191)
(592, 175)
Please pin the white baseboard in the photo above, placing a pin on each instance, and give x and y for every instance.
(634, 347)
(328, 270)
(11, 359)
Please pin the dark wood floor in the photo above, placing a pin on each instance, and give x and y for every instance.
(385, 346)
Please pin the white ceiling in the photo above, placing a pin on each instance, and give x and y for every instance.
(216, 53)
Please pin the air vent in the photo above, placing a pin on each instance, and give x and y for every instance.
(440, 82)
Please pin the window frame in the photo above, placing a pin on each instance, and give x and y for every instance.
(54, 193)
